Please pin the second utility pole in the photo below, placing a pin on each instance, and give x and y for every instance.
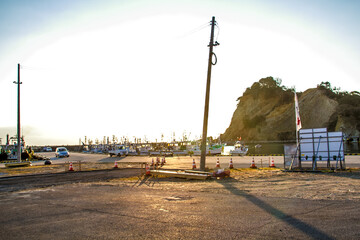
(206, 111)
(18, 117)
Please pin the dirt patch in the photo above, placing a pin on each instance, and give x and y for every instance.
(57, 168)
(37, 181)
(269, 183)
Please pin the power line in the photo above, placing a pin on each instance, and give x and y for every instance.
(36, 68)
(218, 31)
(195, 30)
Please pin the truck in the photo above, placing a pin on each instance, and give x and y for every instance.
(119, 150)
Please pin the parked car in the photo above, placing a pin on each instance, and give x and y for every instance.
(61, 152)
(47, 149)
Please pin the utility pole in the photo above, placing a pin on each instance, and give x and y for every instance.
(18, 117)
(207, 97)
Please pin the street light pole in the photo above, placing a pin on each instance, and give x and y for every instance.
(18, 117)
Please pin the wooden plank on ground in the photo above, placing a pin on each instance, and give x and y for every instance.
(179, 174)
(198, 172)
(18, 164)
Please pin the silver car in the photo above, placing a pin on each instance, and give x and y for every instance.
(61, 152)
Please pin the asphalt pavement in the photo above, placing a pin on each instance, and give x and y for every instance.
(119, 204)
(149, 208)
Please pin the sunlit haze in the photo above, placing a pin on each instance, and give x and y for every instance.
(138, 68)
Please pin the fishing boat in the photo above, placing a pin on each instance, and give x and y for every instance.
(132, 151)
(213, 150)
(154, 152)
(179, 150)
(144, 150)
(239, 149)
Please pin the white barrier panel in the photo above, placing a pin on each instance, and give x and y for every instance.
(319, 144)
(290, 156)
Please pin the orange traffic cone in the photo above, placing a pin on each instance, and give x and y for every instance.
(152, 162)
(115, 165)
(217, 163)
(147, 168)
(253, 163)
(194, 164)
(157, 161)
(272, 163)
(231, 166)
(71, 167)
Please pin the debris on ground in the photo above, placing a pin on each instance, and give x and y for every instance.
(221, 173)
(180, 174)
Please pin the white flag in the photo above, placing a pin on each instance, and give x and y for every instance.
(297, 114)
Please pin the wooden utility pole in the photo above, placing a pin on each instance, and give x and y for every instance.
(207, 97)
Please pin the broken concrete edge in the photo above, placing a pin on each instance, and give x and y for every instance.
(198, 172)
(63, 173)
(17, 164)
(180, 174)
(191, 174)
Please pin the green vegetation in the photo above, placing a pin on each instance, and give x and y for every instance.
(270, 88)
(349, 105)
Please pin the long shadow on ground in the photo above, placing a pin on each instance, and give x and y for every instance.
(296, 223)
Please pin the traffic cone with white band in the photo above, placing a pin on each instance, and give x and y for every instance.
(217, 163)
(231, 166)
(71, 169)
(147, 168)
(272, 163)
(253, 163)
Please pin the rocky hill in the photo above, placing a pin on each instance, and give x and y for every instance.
(266, 111)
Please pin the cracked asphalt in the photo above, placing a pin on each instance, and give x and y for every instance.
(119, 204)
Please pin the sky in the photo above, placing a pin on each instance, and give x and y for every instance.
(138, 68)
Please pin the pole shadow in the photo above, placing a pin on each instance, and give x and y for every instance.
(110, 159)
(144, 180)
(296, 223)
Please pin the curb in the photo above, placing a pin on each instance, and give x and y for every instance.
(261, 155)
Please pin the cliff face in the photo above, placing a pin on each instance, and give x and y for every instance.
(266, 111)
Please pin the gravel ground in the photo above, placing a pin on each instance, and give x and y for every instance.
(120, 204)
(47, 202)
(269, 183)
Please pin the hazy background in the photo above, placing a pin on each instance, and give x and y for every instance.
(138, 68)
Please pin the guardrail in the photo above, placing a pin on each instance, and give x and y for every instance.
(12, 161)
(259, 155)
